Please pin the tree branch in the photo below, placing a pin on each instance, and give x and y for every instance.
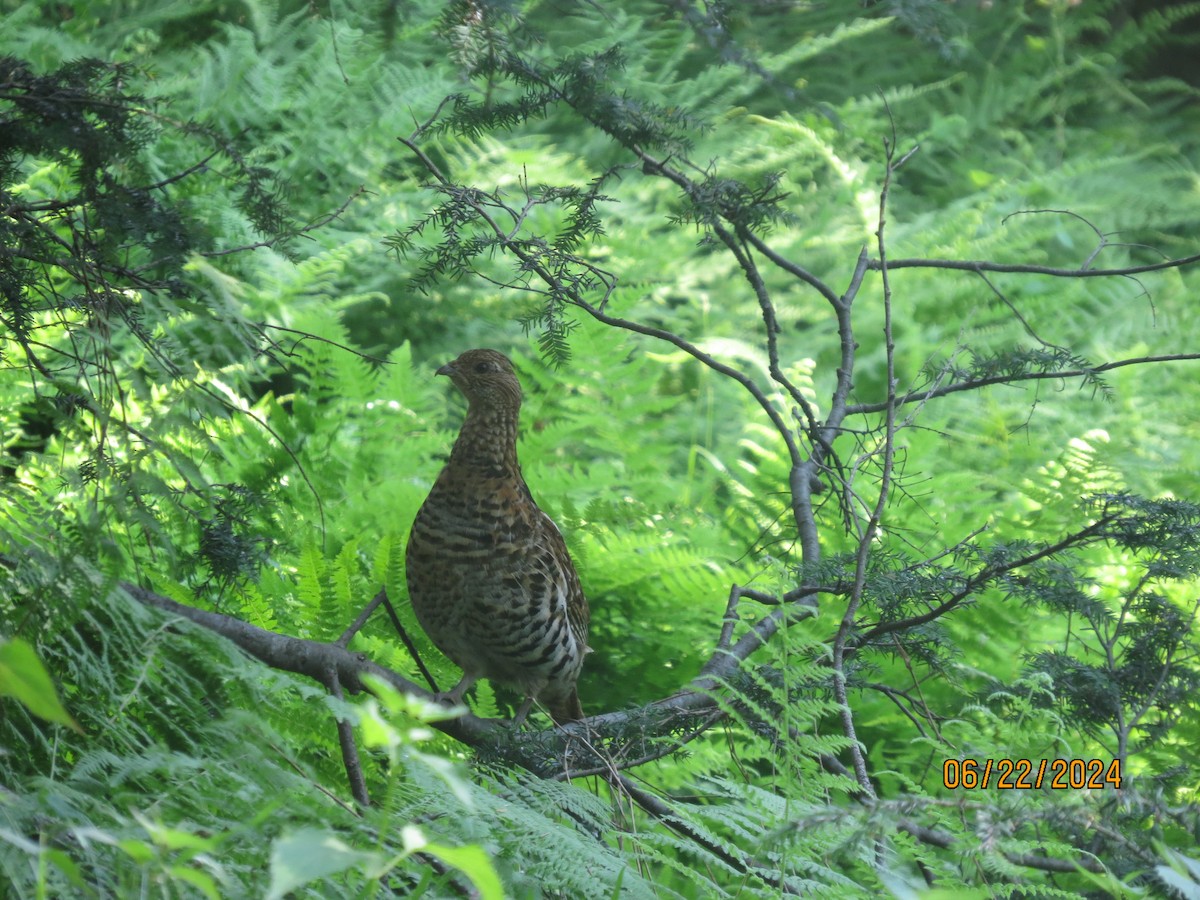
(977, 383)
(984, 576)
(979, 265)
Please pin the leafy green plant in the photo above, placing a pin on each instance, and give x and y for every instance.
(827, 507)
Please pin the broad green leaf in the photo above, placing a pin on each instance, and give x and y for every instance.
(311, 853)
(23, 676)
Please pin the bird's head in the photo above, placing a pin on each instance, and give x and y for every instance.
(486, 378)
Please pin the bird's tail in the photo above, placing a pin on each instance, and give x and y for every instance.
(565, 709)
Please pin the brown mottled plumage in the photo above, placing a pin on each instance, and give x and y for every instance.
(489, 575)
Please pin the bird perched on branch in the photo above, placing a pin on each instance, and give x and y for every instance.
(489, 575)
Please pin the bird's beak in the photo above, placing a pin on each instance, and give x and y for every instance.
(447, 369)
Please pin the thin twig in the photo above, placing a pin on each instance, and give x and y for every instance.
(979, 265)
(407, 641)
(349, 747)
(977, 383)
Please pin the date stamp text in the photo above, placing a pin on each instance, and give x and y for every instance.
(1030, 774)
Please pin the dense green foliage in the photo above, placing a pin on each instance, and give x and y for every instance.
(225, 285)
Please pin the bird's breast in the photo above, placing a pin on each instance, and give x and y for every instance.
(480, 512)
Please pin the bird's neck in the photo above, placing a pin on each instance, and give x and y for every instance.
(488, 441)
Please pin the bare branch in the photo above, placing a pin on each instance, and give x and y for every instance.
(978, 265)
(977, 383)
(319, 222)
(987, 574)
(350, 757)
(867, 539)
(261, 328)
(313, 659)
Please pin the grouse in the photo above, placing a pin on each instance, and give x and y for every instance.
(488, 572)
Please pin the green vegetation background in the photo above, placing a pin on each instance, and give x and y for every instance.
(199, 773)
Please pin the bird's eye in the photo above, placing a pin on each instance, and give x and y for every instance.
(483, 367)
